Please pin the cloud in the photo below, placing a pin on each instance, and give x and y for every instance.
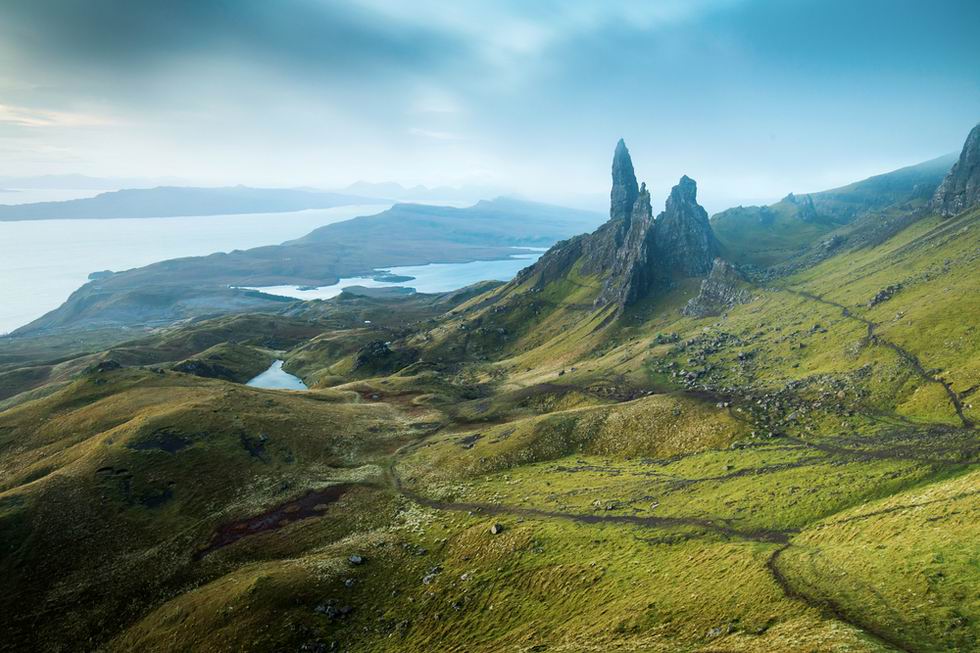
(434, 135)
(529, 93)
(34, 118)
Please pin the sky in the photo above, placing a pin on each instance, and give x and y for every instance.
(752, 98)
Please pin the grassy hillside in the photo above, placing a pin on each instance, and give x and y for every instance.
(512, 468)
(767, 235)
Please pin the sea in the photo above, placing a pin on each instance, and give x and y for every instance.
(434, 277)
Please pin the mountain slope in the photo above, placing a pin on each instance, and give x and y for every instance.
(767, 235)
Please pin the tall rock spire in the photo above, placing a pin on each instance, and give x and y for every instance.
(685, 242)
(633, 255)
(624, 187)
(960, 189)
(631, 268)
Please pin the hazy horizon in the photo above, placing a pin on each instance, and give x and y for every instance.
(753, 99)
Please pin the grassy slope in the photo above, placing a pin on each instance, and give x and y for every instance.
(639, 511)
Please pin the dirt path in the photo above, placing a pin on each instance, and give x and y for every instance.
(827, 606)
(907, 357)
(715, 526)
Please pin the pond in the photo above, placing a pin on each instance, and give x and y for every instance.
(276, 378)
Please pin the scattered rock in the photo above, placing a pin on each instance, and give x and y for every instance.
(721, 290)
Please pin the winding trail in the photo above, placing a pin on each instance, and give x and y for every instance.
(827, 606)
(757, 535)
(717, 526)
(908, 357)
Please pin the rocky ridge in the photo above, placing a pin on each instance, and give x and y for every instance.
(683, 235)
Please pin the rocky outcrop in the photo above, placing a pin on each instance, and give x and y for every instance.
(685, 243)
(960, 190)
(722, 289)
(632, 254)
(603, 248)
(805, 210)
(377, 357)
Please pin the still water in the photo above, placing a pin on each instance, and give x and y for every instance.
(44, 261)
(434, 277)
(277, 379)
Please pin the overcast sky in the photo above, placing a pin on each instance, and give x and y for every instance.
(752, 98)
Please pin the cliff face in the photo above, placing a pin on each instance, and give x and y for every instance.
(633, 269)
(624, 187)
(603, 246)
(684, 240)
(960, 189)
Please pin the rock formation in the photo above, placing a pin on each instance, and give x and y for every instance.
(624, 187)
(632, 253)
(722, 289)
(633, 271)
(684, 240)
(960, 189)
(806, 211)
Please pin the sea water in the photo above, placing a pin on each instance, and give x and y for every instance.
(431, 278)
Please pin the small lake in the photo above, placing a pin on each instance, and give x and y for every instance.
(431, 278)
(44, 261)
(276, 378)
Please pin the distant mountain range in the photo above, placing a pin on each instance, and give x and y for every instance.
(419, 193)
(172, 201)
(84, 182)
(765, 235)
(406, 234)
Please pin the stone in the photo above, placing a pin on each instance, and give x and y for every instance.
(632, 253)
(631, 271)
(884, 294)
(496, 529)
(805, 210)
(960, 190)
(105, 366)
(356, 559)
